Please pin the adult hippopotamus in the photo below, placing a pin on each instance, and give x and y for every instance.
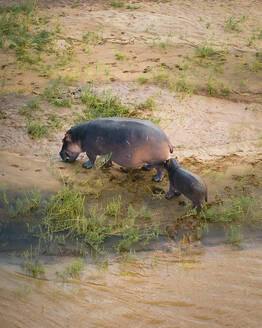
(185, 182)
(132, 143)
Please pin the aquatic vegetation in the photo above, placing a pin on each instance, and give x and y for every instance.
(237, 209)
(31, 265)
(234, 235)
(113, 208)
(66, 212)
(25, 205)
(72, 271)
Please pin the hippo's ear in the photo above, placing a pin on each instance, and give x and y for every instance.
(68, 137)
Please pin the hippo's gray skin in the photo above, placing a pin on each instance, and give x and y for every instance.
(131, 143)
(186, 183)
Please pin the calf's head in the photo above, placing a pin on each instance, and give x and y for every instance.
(171, 164)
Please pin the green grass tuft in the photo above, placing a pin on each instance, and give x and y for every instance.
(232, 23)
(104, 105)
(117, 4)
(36, 129)
(237, 209)
(72, 271)
(53, 94)
(29, 203)
(31, 265)
(66, 212)
(142, 80)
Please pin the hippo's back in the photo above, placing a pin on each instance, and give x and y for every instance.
(127, 125)
(132, 142)
(190, 184)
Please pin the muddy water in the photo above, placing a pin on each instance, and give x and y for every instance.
(204, 284)
(186, 287)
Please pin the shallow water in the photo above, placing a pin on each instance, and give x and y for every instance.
(182, 286)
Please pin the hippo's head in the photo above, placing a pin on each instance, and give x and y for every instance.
(71, 148)
(171, 164)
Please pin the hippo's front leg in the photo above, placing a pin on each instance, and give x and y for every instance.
(159, 174)
(72, 158)
(172, 190)
(90, 163)
(146, 167)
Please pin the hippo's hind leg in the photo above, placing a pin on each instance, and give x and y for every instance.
(197, 205)
(90, 163)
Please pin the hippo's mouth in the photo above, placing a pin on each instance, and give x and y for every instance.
(66, 157)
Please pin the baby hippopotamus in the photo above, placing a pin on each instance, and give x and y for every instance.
(185, 182)
(131, 143)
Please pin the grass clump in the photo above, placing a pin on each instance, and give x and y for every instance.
(142, 80)
(117, 4)
(66, 212)
(217, 88)
(234, 235)
(22, 206)
(53, 93)
(72, 271)
(35, 129)
(232, 23)
(255, 66)
(32, 36)
(237, 209)
(204, 50)
(161, 45)
(119, 56)
(161, 79)
(183, 86)
(149, 104)
(113, 208)
(132, 7)
(32, 266)
(24, 31)
(91, 37)
(103, 105)
(54, 122)
(32, 106)
(133, 233)
(3, 114)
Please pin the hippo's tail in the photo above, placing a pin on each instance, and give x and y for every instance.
(171, 148)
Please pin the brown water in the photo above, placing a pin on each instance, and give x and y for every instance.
(185, 287)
